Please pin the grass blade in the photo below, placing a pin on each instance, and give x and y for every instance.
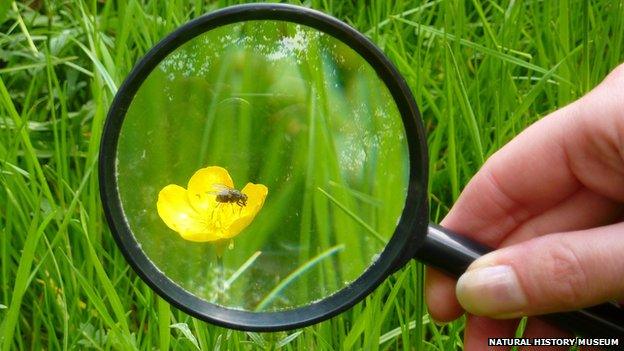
(353, 216)
(21, 281)
(296, 274)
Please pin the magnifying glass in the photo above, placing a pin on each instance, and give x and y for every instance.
(264, 168)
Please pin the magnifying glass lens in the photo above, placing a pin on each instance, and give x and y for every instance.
(262, 166)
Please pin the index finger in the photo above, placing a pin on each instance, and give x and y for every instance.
(573, 148)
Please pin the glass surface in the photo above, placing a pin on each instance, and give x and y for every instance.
(278, 104)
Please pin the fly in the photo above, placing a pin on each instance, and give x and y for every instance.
(225, 194)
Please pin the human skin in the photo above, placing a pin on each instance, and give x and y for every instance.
(552, 201)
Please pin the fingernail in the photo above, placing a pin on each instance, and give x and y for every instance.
(491, 291)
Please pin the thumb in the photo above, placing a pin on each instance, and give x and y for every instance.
(551, 273)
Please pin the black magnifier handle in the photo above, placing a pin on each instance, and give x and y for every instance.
(453, 253)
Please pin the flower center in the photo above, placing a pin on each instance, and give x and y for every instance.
(222, 215)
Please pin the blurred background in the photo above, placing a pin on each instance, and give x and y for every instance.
(481, 71)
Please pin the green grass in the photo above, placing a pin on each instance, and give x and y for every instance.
(480, 70)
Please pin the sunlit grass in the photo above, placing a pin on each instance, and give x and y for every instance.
(481, 71)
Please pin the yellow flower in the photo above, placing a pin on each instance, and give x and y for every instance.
(195, 212)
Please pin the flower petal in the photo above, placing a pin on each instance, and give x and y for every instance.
(256, 193)
(175, 210)
(238, 225)
(204, 236)
(201, 184)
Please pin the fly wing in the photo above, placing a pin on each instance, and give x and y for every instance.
(219, 189)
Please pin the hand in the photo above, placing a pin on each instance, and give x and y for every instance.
(553, 200)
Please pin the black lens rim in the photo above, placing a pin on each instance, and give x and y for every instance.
(410, 229)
